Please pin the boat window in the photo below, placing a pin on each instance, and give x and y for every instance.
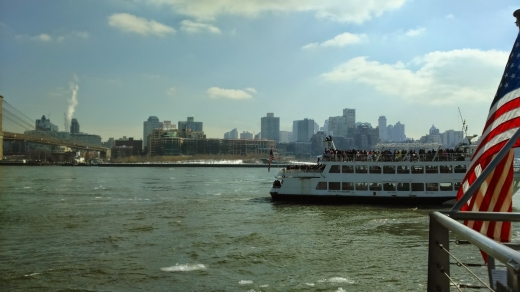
(375, 186)
(403, 169)
(389, 169)
(334, 169)
(361, 169)
(347, 168)
(390, 187)
(417, 169)
(361, 186)
(460, 169)
(432, 187)
(322, 185)
(335, 186)
(347, 186)
(417, 187)
(445, 169)
(375, 169)
(457, 185)
(446, 186)
(403, 187)
(431, 169)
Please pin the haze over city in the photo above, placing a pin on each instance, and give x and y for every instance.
(112, 64)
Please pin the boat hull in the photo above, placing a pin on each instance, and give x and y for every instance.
(372, 200)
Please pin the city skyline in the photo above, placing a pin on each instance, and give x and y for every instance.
(121, 62)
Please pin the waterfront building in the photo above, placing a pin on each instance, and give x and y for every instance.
(381, 122)
(167, 125)
(1, 130)
(149, 125)
(74, 127)
(137, 145)
(190, 124)
(270, 127)
(175, 142)
(109, 143)
(233, 134)
(45, 124)
(246, 135)
(399, 135)
(451, 138)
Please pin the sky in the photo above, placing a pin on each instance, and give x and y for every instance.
(227, 63)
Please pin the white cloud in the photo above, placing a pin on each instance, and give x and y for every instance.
(171, 91)
(131, 23)
(251, 89)
(450, 16)
(215, 92)
(336, 10)
(339, 41)
(195, 27)
(453, 77)
(48, 38)
(415, 32)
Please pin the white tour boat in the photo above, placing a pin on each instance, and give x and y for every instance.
(399, 176)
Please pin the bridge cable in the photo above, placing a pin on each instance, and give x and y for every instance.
(18, 110)
(30, 127)
(15, 122)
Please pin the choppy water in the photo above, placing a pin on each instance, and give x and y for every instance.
(196, 229)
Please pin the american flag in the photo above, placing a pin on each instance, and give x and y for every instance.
(271, 158)
(495, 193)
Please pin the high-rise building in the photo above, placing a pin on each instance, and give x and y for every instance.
(350, 115)
(246, 135)
(399, 135)
(381, 122)
(338, 126)
(190, 124)
(286, 136)
(74, 126)
(167, 125)
(149, 125)
(233, 134)
(303, 130)
(270, 127)
(45, 124)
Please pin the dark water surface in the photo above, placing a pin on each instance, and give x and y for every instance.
(196, 229)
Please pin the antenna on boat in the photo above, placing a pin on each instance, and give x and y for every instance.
(465, 129)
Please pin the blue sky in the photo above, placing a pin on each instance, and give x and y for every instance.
(227, 62)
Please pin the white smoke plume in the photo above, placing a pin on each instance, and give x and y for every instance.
(72, 103)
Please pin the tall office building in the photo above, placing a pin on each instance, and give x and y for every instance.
(399, 135)
(337, 126)
(246, 135)
(381, 122)
(270, 127)
(350, 115)
(74, 126)
(303, 130)
(233, 134)
(45, 124)
(190, 124)
(149, 126)
(286, 136)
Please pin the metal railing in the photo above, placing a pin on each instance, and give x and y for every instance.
(439, 276)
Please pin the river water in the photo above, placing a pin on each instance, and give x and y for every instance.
(197, 229)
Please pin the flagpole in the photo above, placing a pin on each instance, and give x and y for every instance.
(482, 177)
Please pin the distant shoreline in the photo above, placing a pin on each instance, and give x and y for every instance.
(157, 165)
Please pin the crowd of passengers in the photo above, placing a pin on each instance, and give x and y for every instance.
(394, 155)
(306, 167)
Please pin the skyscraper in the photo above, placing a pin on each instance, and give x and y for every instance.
(350, 115)
(399, 132)
(190, 124)
(270, 127)
(74, 126)
(303, 130)
(337, 126)
(381, 122)
(149, 126)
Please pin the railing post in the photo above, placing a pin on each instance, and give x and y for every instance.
(438, 259)
(513, 275)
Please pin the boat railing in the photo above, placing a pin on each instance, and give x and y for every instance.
(503, 268)
(383, 157)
